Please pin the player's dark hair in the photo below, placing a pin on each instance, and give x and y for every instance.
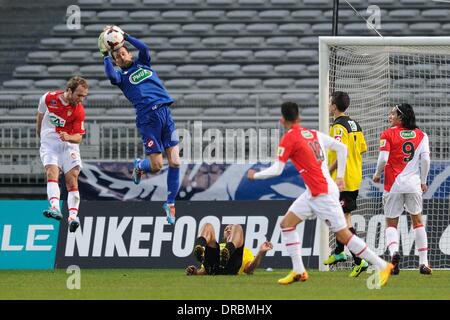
(341, 100)
(76, 81)
(112, 52)
(289, 110)
(407, 116)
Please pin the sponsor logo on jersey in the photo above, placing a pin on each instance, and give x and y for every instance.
(338, 133)
(352, 125)
(74, 155)
(280, 151)
(150, 143)
(69, 113)
(140, 75)
(407, 134)
(307, 134)
(56, 121)
(382, 143)
(53, 102)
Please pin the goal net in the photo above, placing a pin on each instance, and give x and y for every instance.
(378, 73)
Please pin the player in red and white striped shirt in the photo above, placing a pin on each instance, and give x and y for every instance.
(60, 127)
(306, 149)
(405, 159)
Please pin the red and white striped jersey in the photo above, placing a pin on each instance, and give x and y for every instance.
(306, 149)
(402, 170)
(59, 116)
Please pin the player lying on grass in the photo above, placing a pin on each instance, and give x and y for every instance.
(141, 85)
(405, 159)
(230, 257)
(60, 127)
(306, 149)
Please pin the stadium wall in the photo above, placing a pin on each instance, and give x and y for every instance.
(134, 234)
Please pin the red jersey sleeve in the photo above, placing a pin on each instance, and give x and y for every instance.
(78, 124)
(285, 148)
(385, 144)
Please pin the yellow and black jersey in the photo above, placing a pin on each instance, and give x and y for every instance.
(348, 131)
(247, 257)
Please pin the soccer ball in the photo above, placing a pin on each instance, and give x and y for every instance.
(113, 38)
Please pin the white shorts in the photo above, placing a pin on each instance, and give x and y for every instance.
(62, 154)
(327, 207)
(396, 203)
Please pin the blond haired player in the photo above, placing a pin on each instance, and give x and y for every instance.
(60, 127)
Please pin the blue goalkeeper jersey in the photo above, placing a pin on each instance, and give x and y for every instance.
(139, 83)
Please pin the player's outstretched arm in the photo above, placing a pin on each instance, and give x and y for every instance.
(251, 267)
(144, 51)
(273, 171)
(39, 118)
(194, 271)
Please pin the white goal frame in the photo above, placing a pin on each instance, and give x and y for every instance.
(324, 69)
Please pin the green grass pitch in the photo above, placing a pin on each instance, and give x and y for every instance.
(174, 284)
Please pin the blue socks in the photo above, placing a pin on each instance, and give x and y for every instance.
(173, 181)
(144, 165)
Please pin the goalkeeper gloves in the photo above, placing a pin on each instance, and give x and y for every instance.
(102, 46)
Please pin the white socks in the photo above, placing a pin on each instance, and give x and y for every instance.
(392, 240)
(53, 193)
(362, 250)
(420, 236)
(73, 202)
(292, 242)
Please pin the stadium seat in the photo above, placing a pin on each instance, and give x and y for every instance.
(229, 28)
(219, 111)
(239, 125)
(18, 84)
(203, 55)
(296, 28)
(200, 98)
(321, 28)
(120, 112)
(42, 56)
(50, 84)
(166, 69)
(192, 69)
(94, 29)
(438, 82)
(124, 3)
(404, 14)
(414, 1)
(61, 29)
(212, 83)
(180, 83)
(425, 27)
(265, 99)
(90, 16)
(237, 55)
(22, 112)
(110, 16)
(177, 15)
(343, 14)
(311, 3)
(103, 100)
(307, 83)
(3, 110)
(245, 83)
(257, 69)
(400, 28)
(274, 14)
(422, 69)
(303, 55)
(56, 43)
(30, 70)
(265, 28)
(184, 42)
(220, 2)
(135, 29)
(9, 100)
(246, 111)
(209, 14)
(224, 69)
(283, 3)
(282, 41)
(242, 15)
(309, 42)
(76, 56)
(93, 111)
(186, 112)
(409, 83)
(85, 43)
(290, 69)
(313, 70)
(435, 14)
(153, 3)
(197, 28)
(301, 15)
(248, 41)
(300, 98)
(309, 111)
(178, 55)
(144, 16)
(278, 83)
(217, 41)
(63, 70)
(272, 55)
(252, 3)
(95, 3)
(95, 70)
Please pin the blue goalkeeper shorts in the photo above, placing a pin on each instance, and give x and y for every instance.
(157, 130)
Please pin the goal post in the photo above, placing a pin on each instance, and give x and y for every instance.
(378, 72)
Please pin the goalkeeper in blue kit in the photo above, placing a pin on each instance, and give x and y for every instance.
(142, 87)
